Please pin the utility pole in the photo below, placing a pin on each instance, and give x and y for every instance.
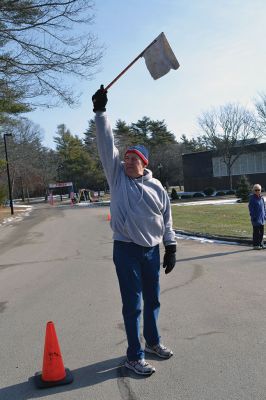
(160, 167)
(8, 175)
(59, 172)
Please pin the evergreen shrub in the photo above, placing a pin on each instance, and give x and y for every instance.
(209, 191)
(174, 195)
(243, 190)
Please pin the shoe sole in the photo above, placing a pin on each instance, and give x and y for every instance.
(157, 354)
(138, 372)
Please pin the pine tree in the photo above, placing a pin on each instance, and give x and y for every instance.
(243, 190)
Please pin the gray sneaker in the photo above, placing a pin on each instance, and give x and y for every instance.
(141, 367)
(257, 248)
(160, 350)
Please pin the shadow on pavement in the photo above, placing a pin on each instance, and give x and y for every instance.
(89, 375)
(221, 254)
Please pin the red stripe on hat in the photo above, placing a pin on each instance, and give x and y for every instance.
(144, 159)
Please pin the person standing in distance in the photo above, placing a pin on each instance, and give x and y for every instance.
(257, 214)
(140, 219)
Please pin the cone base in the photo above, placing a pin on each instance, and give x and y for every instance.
(47, 384)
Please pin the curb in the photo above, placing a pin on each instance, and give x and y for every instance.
(231, 239)
(94, 204)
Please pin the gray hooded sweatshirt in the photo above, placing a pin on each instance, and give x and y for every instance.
(140, 208)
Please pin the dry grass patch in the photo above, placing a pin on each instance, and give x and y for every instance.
(5, 212)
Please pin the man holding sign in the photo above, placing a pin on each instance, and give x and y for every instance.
(141, 220)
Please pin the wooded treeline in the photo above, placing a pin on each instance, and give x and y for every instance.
(33, 166)
(75, 159)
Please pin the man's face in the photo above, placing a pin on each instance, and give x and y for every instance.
(134, 166)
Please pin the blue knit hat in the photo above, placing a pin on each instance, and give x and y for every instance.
(141, 151)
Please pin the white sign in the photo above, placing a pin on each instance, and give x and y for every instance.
(60, 184)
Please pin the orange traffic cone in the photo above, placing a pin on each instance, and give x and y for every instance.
(108, 217)
(53, 371)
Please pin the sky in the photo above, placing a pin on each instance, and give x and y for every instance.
(220, 46)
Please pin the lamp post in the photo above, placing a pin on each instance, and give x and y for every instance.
(59, 171)
(8, 175)
(160, 166)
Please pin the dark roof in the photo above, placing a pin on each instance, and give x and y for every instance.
(250, 147)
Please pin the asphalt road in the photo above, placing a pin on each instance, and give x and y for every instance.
(56, 265)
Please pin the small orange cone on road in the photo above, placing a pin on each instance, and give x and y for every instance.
(53, 371)
(109, 217)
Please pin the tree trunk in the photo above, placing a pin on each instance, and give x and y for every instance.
(230, 178)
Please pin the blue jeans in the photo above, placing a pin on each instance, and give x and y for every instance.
(138, 270)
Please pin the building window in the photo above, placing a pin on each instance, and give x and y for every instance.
(251, 163)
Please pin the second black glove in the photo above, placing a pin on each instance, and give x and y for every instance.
(169, 259)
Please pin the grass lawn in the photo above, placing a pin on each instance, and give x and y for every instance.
(226, 220)
(5, 212)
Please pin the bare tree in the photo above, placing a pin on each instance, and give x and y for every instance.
(166, 163)
(43, 44)
(227, 131)
(32, 166)
(261, 110)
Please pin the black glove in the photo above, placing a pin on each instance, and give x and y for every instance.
(99, 99)
(169, 259)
